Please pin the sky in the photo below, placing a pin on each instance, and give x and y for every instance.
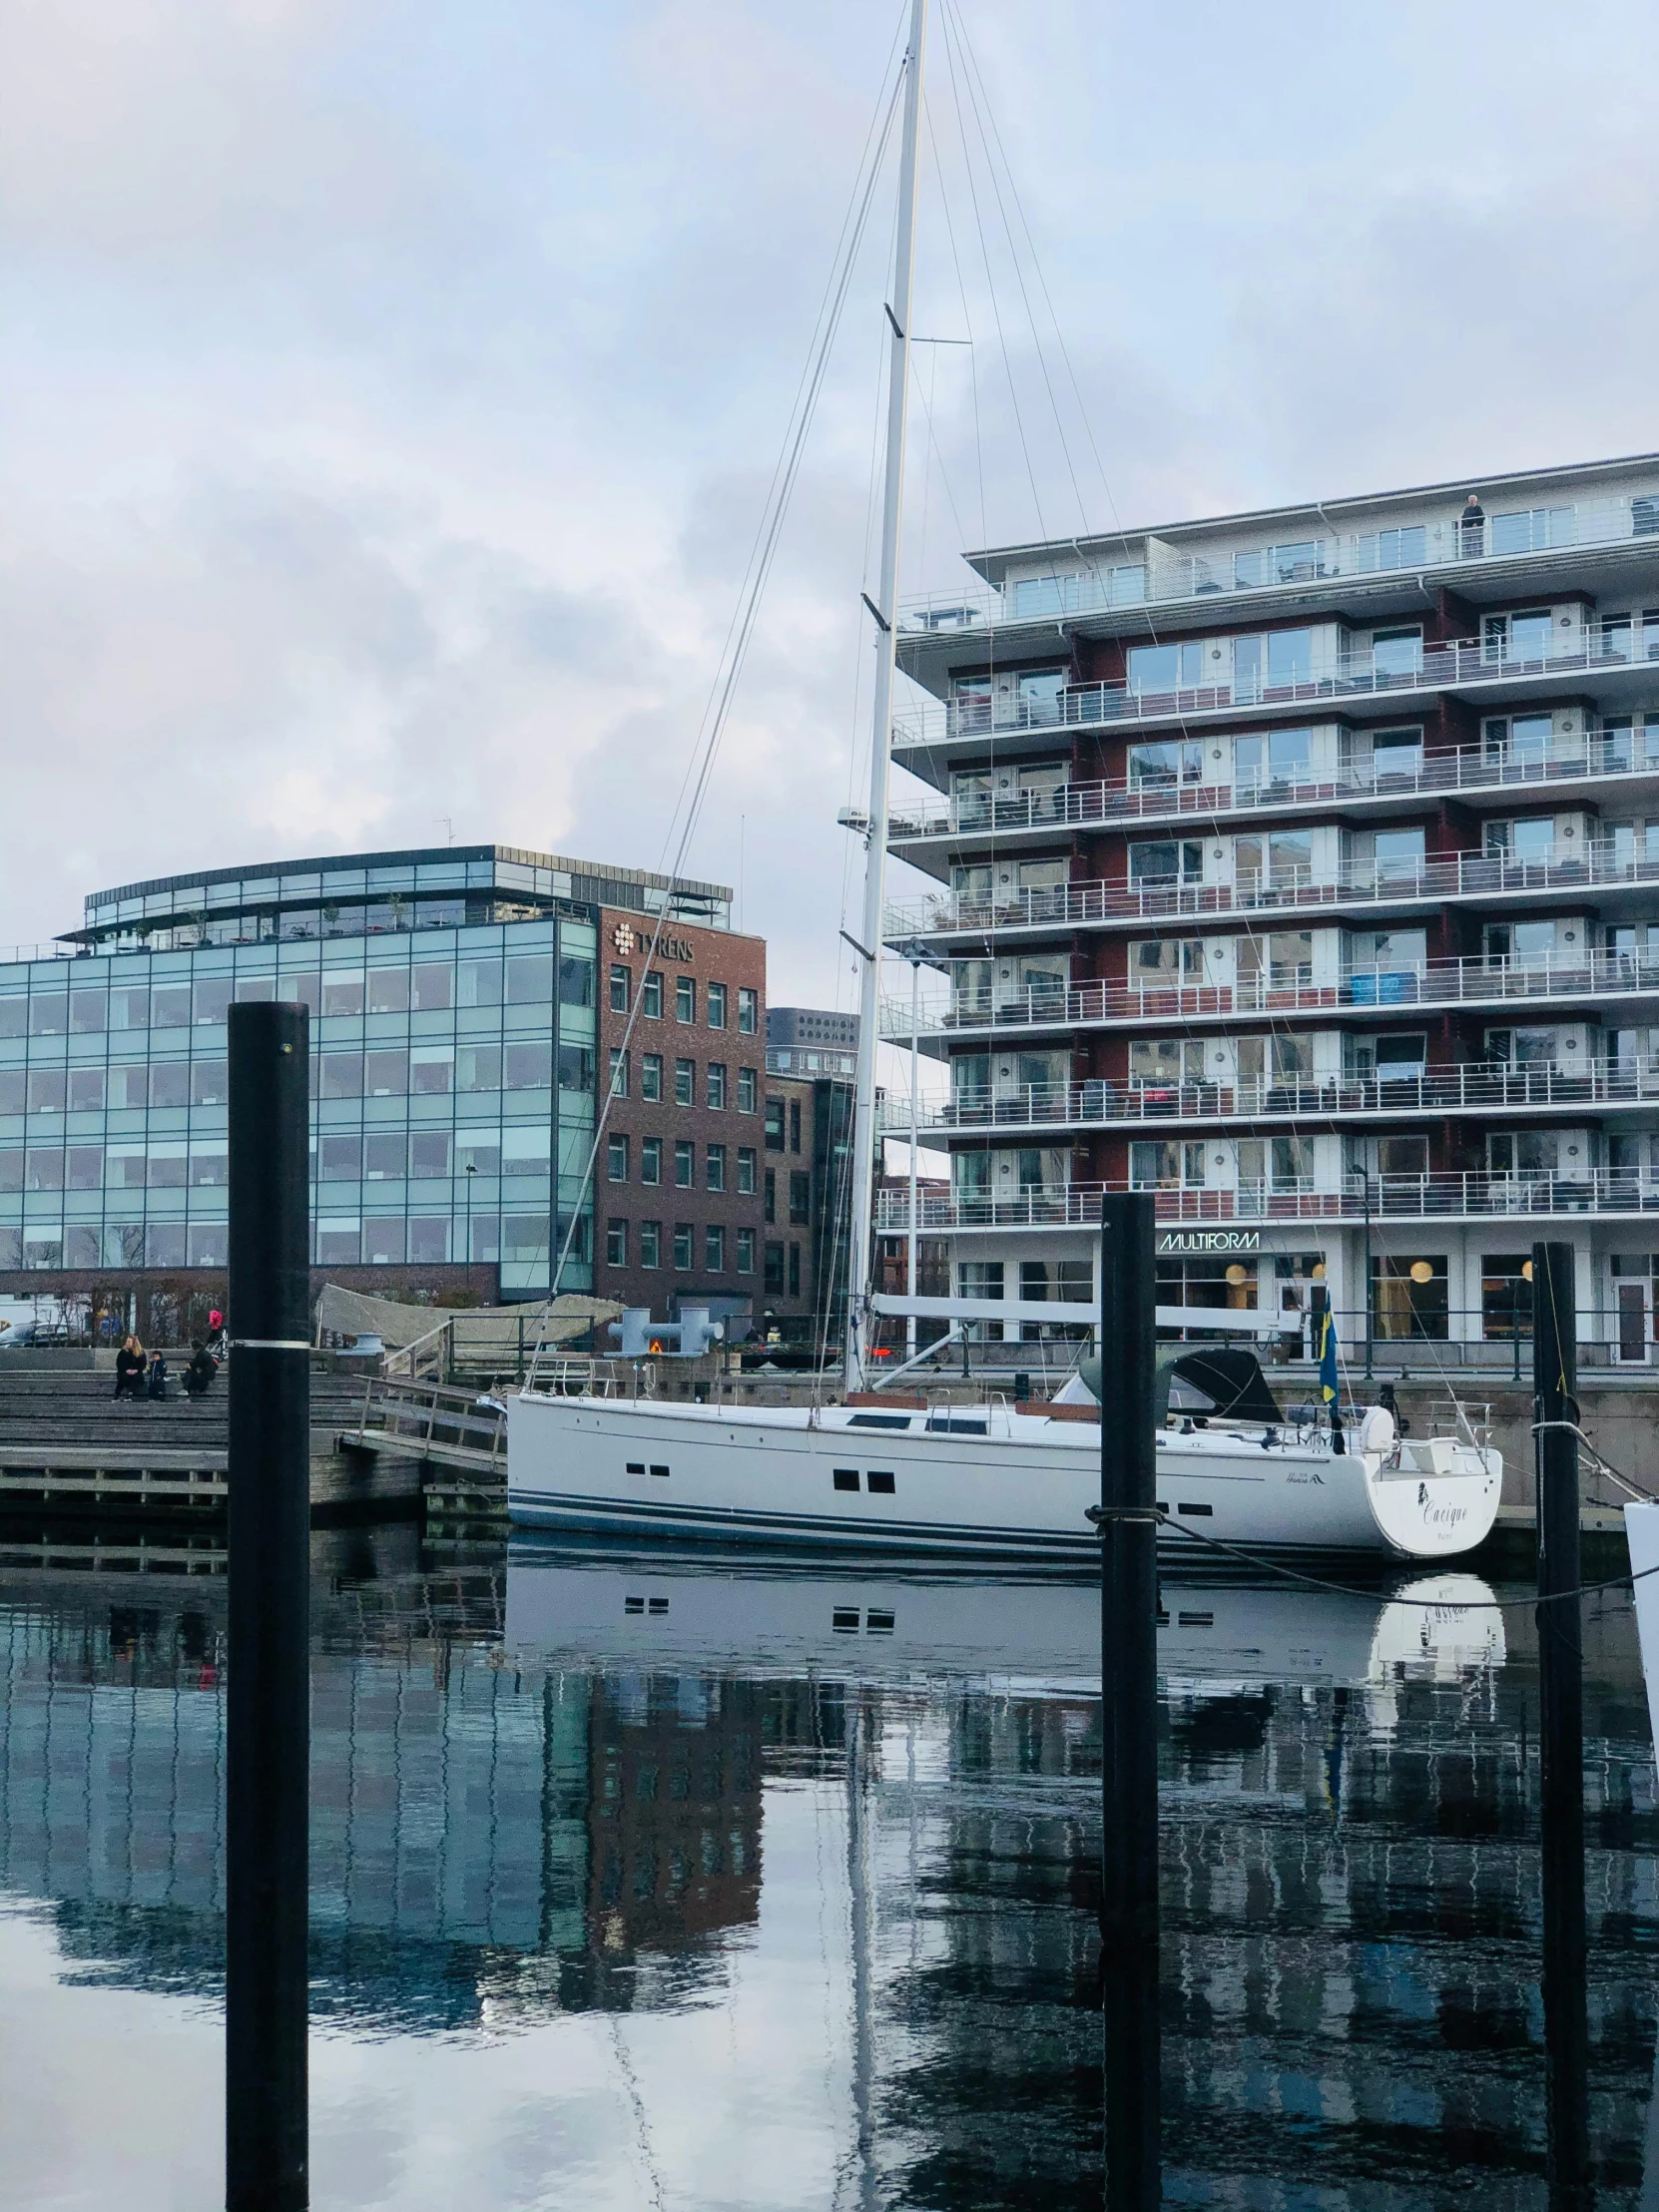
(389, 392)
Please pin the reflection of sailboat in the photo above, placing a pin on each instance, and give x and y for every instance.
(644, 1609)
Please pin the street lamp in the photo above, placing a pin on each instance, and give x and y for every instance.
(471, 1171)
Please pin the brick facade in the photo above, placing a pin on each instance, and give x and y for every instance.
(688, 1036)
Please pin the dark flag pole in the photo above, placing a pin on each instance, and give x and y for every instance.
(1129, 1702)
(269, 1693)
(1561, 1698)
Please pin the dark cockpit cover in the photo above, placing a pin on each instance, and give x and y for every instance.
(1231, 1378)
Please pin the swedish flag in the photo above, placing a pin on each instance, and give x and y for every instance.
(1328, 1356)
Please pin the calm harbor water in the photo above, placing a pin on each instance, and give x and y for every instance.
(650, 1882)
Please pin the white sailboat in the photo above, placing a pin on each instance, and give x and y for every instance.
(997, 1478)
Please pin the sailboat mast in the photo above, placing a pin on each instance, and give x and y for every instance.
(859, 1256)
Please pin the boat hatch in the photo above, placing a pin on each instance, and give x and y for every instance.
(946, 1424)
(880, 1421)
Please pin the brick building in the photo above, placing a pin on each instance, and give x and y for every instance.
(811, 1062)
(678, 1182)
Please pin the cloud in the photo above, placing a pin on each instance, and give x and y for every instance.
(388, 393)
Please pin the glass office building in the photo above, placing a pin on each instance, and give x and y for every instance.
(453, 1067)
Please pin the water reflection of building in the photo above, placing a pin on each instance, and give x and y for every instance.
(1351, 1945)
(474, 1830)
(671, 1804)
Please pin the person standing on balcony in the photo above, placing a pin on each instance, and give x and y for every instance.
(1471, 529)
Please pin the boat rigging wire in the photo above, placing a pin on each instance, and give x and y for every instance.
(695, 784)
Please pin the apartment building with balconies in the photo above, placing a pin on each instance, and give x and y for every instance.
(1302, 866)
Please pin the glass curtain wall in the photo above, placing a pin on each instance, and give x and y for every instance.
(452, 1101)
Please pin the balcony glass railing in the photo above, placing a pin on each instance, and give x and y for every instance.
(1477, 1196)
(1463, 662)
(1601, 752)
(1433, 983)
(1285, 890)
(1482, 1088)
(1167, 573)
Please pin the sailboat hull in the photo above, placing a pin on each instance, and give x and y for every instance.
(1003, 1483)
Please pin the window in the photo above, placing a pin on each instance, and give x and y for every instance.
(1163, 960)
(684, 1082)
(746, 1171)
(1274, 758)
(477, 1068)
(795, 1271)
(777, 1122)
(714, 1248)
(714, 994)
(746, 1252)
(617, 1156)
(769, 1207)
(341, 1075)
(1522, 741)
(529, 1067)
(651, 1077)
(428, 1154)
(1395, 549)
(651, 1159)
(1408, 1296)
(1299, 563)
(1166, 668)
(651, 997)
(385, 1074)
(651, 1244)
(1165, 1166)
(795, 1125)
(576, 1065)
(622, 986)
(748, 1090)
(801, 1196)
(432, 988)
(86, 1090)
(576, 975)
(684, 998)
(685, 1243)
(774, 1277)
(616, 1243)
(717, 1085)
(1165, 766)
(619, 1072)
(713, 1165)
(1396, 652)
(208, 1082)
(748, 1013)
(1168, 860)
(1532, 529)
(340, 1159)
(685, 1164)
(1505, 1296)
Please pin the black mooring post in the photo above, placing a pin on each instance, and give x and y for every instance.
(268, 1703)
(1129, 1702)
(1561, 1697)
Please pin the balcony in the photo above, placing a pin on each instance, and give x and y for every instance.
(1462, 664)
(1596, 757)
(1474, 983)
(1609, 1192)
(1478, 1088)
(1170, 575)
(1282, 891)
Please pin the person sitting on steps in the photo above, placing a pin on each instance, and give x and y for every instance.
(129, 1369)
(200, 1373)
(157, 1385)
